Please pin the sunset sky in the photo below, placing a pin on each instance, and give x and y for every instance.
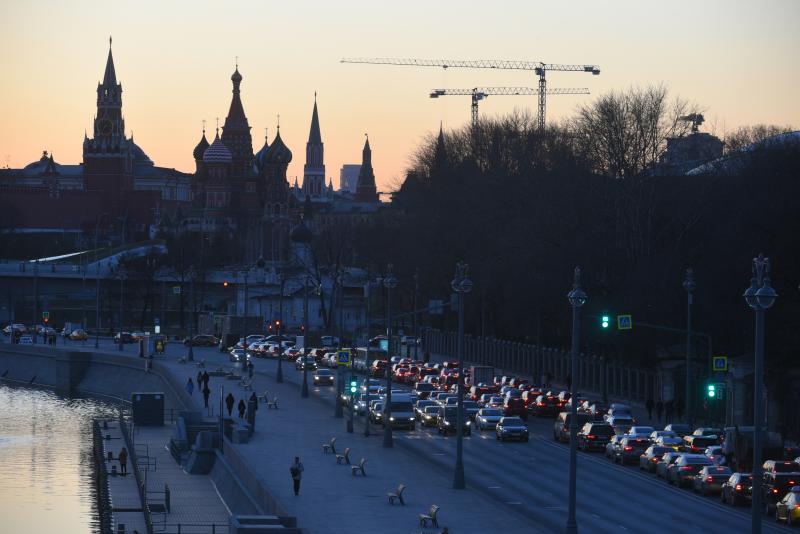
(738, 60)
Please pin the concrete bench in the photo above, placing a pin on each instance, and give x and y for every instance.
(398, 495)
(344, 457)
(329, 447)
(424, 519)
(355, 469)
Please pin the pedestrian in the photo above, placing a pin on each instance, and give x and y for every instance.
(199, 379)
(242, 408)
(190, 386)
(659, 409)
(649, 406)
(205, 378)
(206, 394)
(250, 368)
(229, 400)
(679, 408)
(296, 470)
(123, 461)
(668, 411)
(252, 407)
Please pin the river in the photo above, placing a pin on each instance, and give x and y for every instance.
(46, 464)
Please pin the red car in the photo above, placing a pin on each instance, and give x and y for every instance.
(515, 406)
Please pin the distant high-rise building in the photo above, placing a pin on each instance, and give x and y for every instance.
(348, 177)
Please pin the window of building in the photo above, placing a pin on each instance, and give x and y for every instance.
(250, 187)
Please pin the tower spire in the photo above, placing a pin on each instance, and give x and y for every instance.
(110, 76)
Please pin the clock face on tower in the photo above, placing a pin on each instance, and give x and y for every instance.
(105, 127)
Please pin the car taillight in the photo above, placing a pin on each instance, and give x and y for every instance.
(540, 404)
(591, 436)
(686, 468)
(655, 460)
(775, 491)
(628, 448)
(738, 487)
(710, 479)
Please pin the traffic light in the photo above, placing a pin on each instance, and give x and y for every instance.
(353, 385)
(605, 322)
(302, 328)
(711, 390)
(46, 320)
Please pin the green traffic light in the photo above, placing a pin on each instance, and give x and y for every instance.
(605, 321)
(712, 390)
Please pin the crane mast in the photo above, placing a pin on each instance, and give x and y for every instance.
(538, 67)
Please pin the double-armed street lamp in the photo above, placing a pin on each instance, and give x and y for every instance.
(279, 373)
(461, 285)
(338, 406)
(760, 296)
(192, 317)
(689, 286)
(389, 282)
(379, 282)
(577, 298)
(304, 390)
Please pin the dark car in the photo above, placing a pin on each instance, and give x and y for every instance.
(686, 467)
(681, 429)
(475, 392)
(630, 449)
(711, 478)
(651, 456)
(546, 405)
(323, 377)
(514, 406)
(201, 340)
(665, 462)
(561, 430)
(698, 444)
(738, 489)
(775, 486)
(471, 408)
(429, 415)
(424, 389)
(511, 428)
(594, 435)
(420, 405)
(126, 337)
(447, 419)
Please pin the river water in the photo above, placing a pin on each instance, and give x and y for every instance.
(46, 467)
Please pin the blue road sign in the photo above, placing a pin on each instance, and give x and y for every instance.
(720, 364)
(624, 322)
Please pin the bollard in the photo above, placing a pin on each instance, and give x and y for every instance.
(113, 470)
(105, 424)
(121, 528)
(110, 456)
(166, 497)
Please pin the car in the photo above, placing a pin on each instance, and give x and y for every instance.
(594, 435)
(515, 406)
(420, 405)
(360, 403)
(323, 377)
(511, 428)
(306, 362)
(780, 466)
(424, 390)
(546, 405)
(698, 444)
(641, 431)
(681, 429)
(737, 490)
(683, 470)
(629, 449)
(617, 408)
(655, 434)
(238, 355)
(495, 402)
(620, 423)
(470, 408)
(376, 412)
(15, 327)
(675, 443)
(665, 462)
(487, 418)
(561, 426)
(447, 420)
(710, 479)
(595, 408)
(484, 400)
(715, 454)
(651, 456)
(612, 444)
(79, 335)
(706, 431)
(127, 338)
(788, 509)
(776, 486)
(137, 336)
(429, 415)
(401, 412)
(476, 392)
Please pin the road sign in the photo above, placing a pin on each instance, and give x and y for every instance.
(45, 315)
(719, 364)
(156, 321)
(176, 290)
(343, 358)
(624, 322)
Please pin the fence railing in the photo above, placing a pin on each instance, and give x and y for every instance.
(545, 364)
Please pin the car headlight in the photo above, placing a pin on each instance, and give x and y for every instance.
(391, 419)
(469, 423)
(427, 417)
(378, 415)
(446, 423)
(410, 418)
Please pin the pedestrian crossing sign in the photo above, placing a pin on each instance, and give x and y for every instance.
(343, 358)
(720, 364)
(624, 322)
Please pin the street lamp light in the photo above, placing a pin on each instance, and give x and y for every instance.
(760, 296)
(689, 286)
(461, 285)
(577, 298)
(389, 282)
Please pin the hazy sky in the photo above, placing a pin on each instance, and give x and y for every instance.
(737, 59)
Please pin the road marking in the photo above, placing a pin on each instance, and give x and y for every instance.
(513, 502)
(495, 487)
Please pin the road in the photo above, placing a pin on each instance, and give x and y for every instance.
(530, 479)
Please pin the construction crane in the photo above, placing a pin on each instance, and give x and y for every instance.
(538, 67)
(480, 93)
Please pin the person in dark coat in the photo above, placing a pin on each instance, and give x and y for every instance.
(242, 408)
(250, 368)
(199, 379)
(206, 394)
(659, 409)
(296, 470)
(190, 386)
(229, 400)
(205, 378)
(252, 407)
(649, 405)
(123, 461)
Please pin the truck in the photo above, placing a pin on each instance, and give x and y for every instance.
(738, 447)
(480, 374)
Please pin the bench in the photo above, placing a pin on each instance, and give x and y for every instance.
(329, 447)
(272, 403)
(344, 457)
(430, 516)
(398, 494)
(355, 469)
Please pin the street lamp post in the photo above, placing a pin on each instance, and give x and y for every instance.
(304, 391)
(462, 285)
(689, 286)
(338, 408)
(192, 318)
(760, 296)
(97, 285)
(416, 333)
(121, 309)
(279, 373)
(389, 282)
(577, 298)
(367, 374)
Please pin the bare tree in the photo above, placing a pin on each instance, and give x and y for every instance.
(747, 135)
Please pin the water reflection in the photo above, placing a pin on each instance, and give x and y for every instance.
(46, 462)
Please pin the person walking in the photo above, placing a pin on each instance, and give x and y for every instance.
(649, 405)
(123, 461)
(242, 407)
(659, 409)
(296, 470)
(229, 403)
(250, 368)
(252, 407)
(205, 378)
(206, 394)
(199, 379)
(190, 386)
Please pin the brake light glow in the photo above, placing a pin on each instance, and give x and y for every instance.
(774, 491)
(686, 468)
(591, 436)
(628, 448)
(738, 487)
(654, 460)
(540, 404)
(710, 479)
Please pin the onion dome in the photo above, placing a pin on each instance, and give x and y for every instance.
(301, 234)
(236, 77)
(217, 152)
(261, 154)
(201, 147)
(278, 153)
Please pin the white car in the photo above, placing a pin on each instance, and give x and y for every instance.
(488, 418)
(655, 434)
(238, 355)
